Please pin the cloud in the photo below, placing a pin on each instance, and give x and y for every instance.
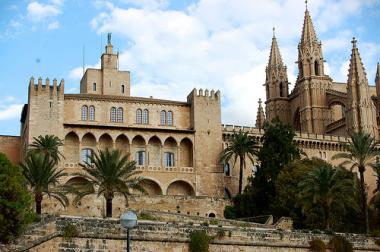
(53, 26)
(218, 45)
(148, 4)
(38, 12)
(77, 73)
(10, 112)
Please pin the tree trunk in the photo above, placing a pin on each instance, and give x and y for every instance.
(327, 217)
(109, 207)
(241, 174)
(364, 199)
(38, 201)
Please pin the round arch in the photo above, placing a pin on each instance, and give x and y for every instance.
(181, 188)
(151, 186)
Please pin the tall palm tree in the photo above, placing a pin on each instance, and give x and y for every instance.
(49, 145)
(42, 176)
(361, 152)
(111, 173)
(242, 146)
(328, 188)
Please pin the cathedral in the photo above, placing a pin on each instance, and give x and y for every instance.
(177, 144)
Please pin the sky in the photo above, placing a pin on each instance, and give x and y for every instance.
(173, 46)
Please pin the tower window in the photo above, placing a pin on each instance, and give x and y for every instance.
(84, 113)
(316, 68)
(145, 119)
(169, 159)
(119, 115)
(227, 171)
(113, 114)
(140, 157)
(139, 116)
(92, 113)
(122, 89)
(163, 117)
(94, 86)
(281, 90)
(170, 118)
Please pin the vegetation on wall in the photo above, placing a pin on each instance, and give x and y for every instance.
(340, 244)
(317, 245)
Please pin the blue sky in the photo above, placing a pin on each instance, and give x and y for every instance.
(170, 47)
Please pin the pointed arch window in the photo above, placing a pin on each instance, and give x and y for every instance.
(122, 89)
(170, 118)
(316, 68)
(139, 116)
(92, 113)
(113, 114)
(145, 119)
(119, 115)
(84, 113)
(163, 117)
(281, 89)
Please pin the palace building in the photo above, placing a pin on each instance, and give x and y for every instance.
(176, 144)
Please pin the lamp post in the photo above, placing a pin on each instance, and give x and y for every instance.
(128, 220)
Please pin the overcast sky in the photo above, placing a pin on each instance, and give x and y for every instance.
(171, 47)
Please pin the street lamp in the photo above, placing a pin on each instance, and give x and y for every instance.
(128, 220)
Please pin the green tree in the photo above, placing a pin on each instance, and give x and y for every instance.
(328, 188)
(48, 145)
(43, 176)
(242, 146)
(278, 150)
(15, 201)
(287, 190)
(113, 174)
(361, 152)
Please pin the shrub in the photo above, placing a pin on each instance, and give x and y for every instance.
(205, 223)
(199, 241)
(340, 244)
(377, 242)
(317, 245)
(229, 212)
(214, 222)
(146, 216)
(220, 233)
(69, 231)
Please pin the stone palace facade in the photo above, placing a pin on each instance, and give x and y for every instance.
(177, 144)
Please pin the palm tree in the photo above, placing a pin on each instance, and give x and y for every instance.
(328, 188)
(360, 153)
(242, 146)
(42, 176)
(49, 145)
(111, 173)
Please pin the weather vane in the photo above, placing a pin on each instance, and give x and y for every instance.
(306, 4)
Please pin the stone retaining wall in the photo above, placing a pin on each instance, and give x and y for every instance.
(95, 234)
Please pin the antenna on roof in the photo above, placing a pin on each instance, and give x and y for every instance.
(83, 60)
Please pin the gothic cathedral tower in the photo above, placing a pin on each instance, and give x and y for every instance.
(312, 83)
(361, 111)
(277, 86)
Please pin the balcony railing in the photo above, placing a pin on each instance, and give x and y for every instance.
(166, 169)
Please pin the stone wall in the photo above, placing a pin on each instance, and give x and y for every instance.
(96, 234)
(10, 146)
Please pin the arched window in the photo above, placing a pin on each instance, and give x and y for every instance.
(85, 155)
(170, 118)
(92, 113)
(119, 115)
(84, 113)
(281, 91)
(169, 159)
(122, 89)
(227, 171)
(145, 119)
(163, 117)
(94, 86)
(316, 68)
(113, 114)
(140, 157)
(139, 116)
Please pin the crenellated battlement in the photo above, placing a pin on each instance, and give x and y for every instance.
(212, 95)
(43, 88)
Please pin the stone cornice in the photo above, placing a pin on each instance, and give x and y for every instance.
(129, 99)
(124, 127)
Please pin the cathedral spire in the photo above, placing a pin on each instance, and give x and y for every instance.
(308, 33)
(260, 117)
(361, 109)
(275, 59)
